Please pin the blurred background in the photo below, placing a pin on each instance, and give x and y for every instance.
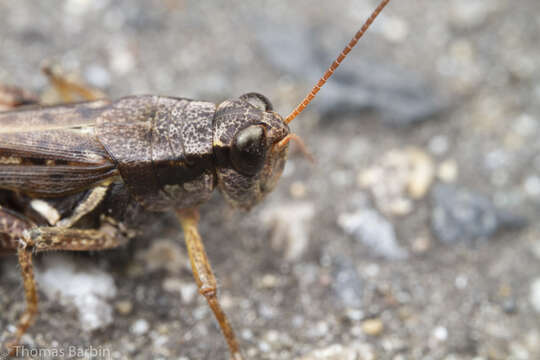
(413, 236)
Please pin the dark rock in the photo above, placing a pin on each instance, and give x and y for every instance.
(462, 215)
(401, 96)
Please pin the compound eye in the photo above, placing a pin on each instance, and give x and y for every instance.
(249, 150)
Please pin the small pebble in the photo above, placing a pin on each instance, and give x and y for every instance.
(188, 292)
(534, 295)
(264, 347)
(397, 178)
(394, 29)
(356, 351)
(246, 334)
(98, 76)
(77, 7)
(373, 327)
(298, 190)
(140, 327)
(509, 306)
(400, 206)
(497, 159)
(121, 59)
(272, 336)
(269, 281)
(461, 282)
(371, 270)
(393, 344)
(171, 284)
(124, 307)
(531, 186)
(525, 125)
(438, 145)
(470, 13)
(448, 171)
(421, 244)
(421, 173)
(354, 314)
(440, 333)
(318, 331)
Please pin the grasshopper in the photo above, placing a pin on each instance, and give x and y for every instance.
(77, 176)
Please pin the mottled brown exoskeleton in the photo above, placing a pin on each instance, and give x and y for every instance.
(77, 176)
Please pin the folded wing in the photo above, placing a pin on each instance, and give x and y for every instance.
(52, 151)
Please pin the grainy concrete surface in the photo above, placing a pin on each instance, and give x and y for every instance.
(330, 292)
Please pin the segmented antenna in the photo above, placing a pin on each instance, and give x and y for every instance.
(336, 63)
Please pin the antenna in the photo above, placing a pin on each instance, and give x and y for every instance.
(336, 63)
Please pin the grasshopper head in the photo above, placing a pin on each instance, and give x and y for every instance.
(249, 153)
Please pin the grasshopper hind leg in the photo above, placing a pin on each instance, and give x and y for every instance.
(12, 97)
(30, 291)
(19, 234)
(12, 227)
(68, 89)
(64, 89)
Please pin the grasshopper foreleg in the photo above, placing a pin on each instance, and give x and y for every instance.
(204, 277)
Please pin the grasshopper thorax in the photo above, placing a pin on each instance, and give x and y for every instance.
(247, 149)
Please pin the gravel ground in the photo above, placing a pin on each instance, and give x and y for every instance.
(414, 236)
